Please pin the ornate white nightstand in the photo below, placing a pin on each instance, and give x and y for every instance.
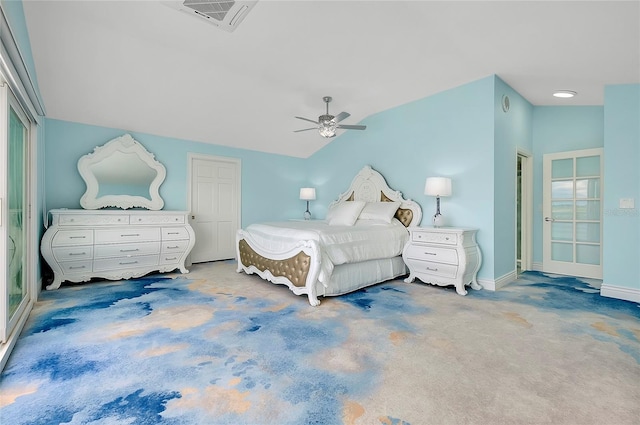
(443, 256)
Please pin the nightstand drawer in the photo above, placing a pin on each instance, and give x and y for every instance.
(433, 237)
(432, 253)
(434, 269)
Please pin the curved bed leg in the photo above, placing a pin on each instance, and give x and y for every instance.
(313, 298)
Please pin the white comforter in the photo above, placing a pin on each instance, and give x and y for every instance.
(366, 240)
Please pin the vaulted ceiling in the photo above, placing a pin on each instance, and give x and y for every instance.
(144, 67)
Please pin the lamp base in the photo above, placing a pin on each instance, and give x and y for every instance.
(438, 220)
(307, 215)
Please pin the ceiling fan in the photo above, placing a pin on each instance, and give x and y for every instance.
(328, 124)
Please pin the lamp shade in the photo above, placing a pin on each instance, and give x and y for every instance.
(308, 193)
(437, 186)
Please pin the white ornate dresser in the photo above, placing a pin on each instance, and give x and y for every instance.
(115, 244)
(443, 256)
(107, 239)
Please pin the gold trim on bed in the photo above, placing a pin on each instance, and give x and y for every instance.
(295, 269)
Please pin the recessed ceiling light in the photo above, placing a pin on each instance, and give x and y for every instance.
(564, 93)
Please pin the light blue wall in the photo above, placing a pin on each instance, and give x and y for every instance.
(622, 180)
(448, 134)
(270, 183)
(512, 132)
(560, 129)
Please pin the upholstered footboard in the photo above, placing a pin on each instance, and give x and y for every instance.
(298, 267)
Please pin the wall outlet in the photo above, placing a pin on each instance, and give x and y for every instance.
(627, 203)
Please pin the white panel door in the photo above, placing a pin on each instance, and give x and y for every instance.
(215, 206)
(572, 210)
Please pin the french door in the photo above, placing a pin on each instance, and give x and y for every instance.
(14, 218)
(572, 205)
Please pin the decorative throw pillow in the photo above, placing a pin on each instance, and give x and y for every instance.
(344, 213)
(379, 211)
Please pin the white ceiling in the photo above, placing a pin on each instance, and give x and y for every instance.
(144, 67)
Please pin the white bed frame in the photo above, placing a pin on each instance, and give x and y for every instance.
(301, 264)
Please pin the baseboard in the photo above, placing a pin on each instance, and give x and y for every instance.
(620, 292)
(501, 282)
(536, 267)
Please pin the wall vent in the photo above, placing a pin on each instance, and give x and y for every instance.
(225, 14)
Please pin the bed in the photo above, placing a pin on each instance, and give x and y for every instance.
(358, 244)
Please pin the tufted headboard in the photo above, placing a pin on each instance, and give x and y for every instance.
(369, 186)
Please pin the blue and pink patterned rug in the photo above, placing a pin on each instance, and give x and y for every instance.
(218, 347)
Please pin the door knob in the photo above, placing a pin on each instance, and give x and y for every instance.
(549, 219)
(193, 217)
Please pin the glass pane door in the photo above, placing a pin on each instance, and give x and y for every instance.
(14, 282)
(17, 204)
(573, 214)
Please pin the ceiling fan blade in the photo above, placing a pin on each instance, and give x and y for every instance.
(352, 127)
(307, 119)
(305, 129)
(341, 116)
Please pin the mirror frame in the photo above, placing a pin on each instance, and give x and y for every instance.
(125, 144)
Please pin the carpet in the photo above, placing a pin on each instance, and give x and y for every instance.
(218, 347)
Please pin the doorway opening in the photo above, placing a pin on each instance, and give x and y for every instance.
(524, 211)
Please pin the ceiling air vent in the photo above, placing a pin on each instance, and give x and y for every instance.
(225, 14)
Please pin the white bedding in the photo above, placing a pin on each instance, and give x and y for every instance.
(365, 240)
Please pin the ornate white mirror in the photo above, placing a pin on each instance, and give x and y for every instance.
(122, 174)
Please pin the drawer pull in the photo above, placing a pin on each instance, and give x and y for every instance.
(126, 263)
(130, 235)
(173, 233)
(432, 270)
(77, 237)
(77, 253)
(130, 250)
(171, 259)
(430, 253)
(173, 247)
(76, 267)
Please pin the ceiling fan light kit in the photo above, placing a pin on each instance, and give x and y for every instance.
(328, 124)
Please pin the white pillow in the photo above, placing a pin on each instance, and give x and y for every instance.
(384, 211)
(344, 213)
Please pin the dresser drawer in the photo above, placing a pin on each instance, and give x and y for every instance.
(158, 219)
(105, 264)
(92, 220)
(434, 237)
(73, 253)
(435, 269)
(432, 253)
(178, 246)
(123, 235)
(124, 250)
(170, 258)
(172, 233)
(73, 237)
(69, 267)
